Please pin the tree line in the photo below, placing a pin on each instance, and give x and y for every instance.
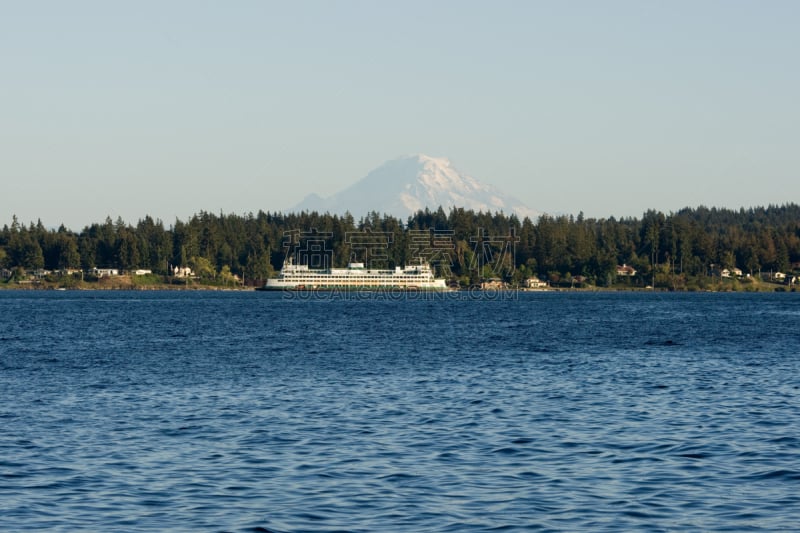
(675, 249)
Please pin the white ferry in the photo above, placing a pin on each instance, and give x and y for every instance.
(355, 277)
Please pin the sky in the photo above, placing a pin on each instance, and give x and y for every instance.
(169, 108)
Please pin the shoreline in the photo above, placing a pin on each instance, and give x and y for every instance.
(54, 287)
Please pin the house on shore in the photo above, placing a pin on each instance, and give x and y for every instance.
(493, 284)
(727, 272)
(535, 283)
(182, 272)
(578, 280)
(625, 270)
(780, 277)
(105, 272)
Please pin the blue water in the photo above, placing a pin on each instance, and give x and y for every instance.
(207, 411)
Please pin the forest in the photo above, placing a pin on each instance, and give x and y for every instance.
(678, 250)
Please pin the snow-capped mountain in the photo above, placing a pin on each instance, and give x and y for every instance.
(407, 184)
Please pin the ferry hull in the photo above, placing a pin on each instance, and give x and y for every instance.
(332, 287)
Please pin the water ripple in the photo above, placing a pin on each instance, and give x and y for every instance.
(245, 412)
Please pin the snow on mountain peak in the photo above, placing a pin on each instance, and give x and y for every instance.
(404, 185)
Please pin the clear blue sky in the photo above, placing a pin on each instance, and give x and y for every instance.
(167, 108)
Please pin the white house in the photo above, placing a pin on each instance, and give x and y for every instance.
(182, 272)
(535, 283)
(103, 272)
(727, 272)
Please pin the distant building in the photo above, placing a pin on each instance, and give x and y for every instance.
(493, 284)
(142, 271)
(625, 270)
(105, 272)
(727, 272)
(182, 272)
(535, 283)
